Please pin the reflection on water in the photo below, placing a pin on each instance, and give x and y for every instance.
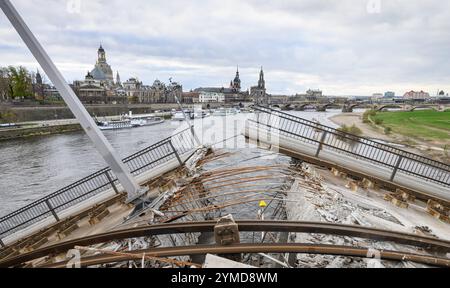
(32, 168)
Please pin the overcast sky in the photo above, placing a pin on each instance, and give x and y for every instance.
(345, 47)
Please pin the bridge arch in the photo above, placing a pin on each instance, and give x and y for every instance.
(302, 107)
(323, 108)
(434, 107)
(348, 108)
(383, 107)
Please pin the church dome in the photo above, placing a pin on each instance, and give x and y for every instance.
(98, 74)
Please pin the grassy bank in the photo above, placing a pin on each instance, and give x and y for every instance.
(427, 124)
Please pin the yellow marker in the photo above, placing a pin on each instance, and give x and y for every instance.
(262, 204)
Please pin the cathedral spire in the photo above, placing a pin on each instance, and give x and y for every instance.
(236, 83)
(38, 77)
(261, 82)
(118, 82)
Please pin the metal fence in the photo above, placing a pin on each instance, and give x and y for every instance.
(88, 187)
(358, 147)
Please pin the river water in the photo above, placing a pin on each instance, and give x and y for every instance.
(35, 167)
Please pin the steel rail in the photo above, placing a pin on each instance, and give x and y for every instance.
(244, 226)
(261, 248)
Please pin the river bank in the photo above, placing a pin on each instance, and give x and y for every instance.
(50, 127)
(16, 114)
(39, 129)
(431, 149)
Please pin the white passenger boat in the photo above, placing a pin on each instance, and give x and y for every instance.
(147, 122)
(144, 120)
(114, 125)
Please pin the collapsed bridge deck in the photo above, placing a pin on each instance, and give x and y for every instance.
(323, 145)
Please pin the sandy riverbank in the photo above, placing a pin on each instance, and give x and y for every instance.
(427, 149)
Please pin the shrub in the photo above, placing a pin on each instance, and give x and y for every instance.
(355, 130)
(351, 130)
(387, 130)
(368, 114)
(378, 121)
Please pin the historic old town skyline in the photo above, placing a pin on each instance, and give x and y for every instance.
(302, 45)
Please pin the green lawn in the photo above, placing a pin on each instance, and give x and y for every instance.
(425, 124)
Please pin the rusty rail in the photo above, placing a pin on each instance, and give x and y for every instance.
(261, 248)
(244, 226)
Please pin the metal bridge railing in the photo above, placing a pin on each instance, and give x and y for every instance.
(327, 138)
(92, 185)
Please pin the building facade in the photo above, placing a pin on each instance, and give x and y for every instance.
(135, 91)
(316, 94)
(211, 95)
(233, 94)
(191, 97)
(413, 95)
(90, 91)
(389, 94)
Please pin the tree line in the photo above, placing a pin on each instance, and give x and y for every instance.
(15, 83)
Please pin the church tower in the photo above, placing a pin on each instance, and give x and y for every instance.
(261, 82)
(236, 83)
(38, 87)
(118, 82)
(259, 93)
(38, 78)
(102, 71)
(101, 55)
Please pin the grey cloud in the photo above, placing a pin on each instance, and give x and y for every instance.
(334, 45)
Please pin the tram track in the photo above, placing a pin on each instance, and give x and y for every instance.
(427, 243)
(260, 248)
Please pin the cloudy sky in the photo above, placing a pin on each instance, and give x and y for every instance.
(344, 47)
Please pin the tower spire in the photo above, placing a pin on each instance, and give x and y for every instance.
(38, 77)
(118, 82)
(236, 83)
(261, 82)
